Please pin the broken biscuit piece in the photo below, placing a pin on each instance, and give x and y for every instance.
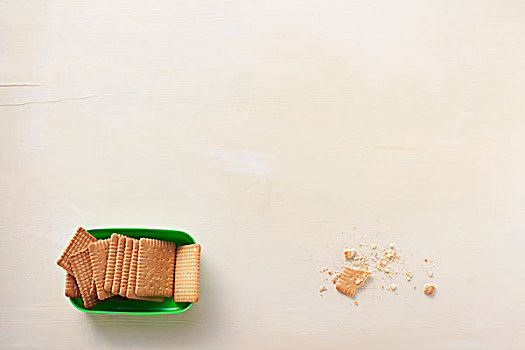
(428, 289)
(349, 253)
(350, 280)
(409, 275)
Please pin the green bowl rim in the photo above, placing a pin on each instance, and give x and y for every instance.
(134, 313)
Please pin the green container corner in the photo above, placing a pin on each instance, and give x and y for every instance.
(138, 307)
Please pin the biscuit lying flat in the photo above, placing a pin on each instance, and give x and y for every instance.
(350, 280)
(187, 271)
(132, 278)
(155, 268)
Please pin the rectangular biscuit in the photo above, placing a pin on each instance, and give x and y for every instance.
(128, 252)
(112, 259)
(350, 280)
(132, 280)
(118, 264)
(81, 265)
(98, 252)
(187, 271)
(78, 242)
(71, 286)
(155, 268)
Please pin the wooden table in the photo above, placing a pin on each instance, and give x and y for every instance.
(268, 130)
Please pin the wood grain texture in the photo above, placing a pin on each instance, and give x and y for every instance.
(266, 129)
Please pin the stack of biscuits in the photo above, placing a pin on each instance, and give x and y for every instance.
(126, 267)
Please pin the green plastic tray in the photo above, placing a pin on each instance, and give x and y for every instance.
(138, 307)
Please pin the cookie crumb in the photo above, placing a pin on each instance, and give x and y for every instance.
(349, 253)
(384, 258)
(356, 303)
(428, 289)
(322, 289)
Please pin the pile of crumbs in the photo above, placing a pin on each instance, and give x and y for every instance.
(385, 262)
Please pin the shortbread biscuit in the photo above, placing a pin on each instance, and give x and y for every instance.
(98, 252)
(187, 270)
(71, 286)
(112, 259)
(78, 242)
(155, 268)
(118, 264)
(132, 280)
(128, 252)
(81, 265)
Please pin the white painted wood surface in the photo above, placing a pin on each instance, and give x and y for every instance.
(266, 129)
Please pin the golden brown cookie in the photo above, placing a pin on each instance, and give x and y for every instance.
(81, 265)
(132, 280)
(98, 252)
(112, 259)
(78, 242)
(126, 264)
(155, 268)
(115, 288)
(187, 271)
(71, 286)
